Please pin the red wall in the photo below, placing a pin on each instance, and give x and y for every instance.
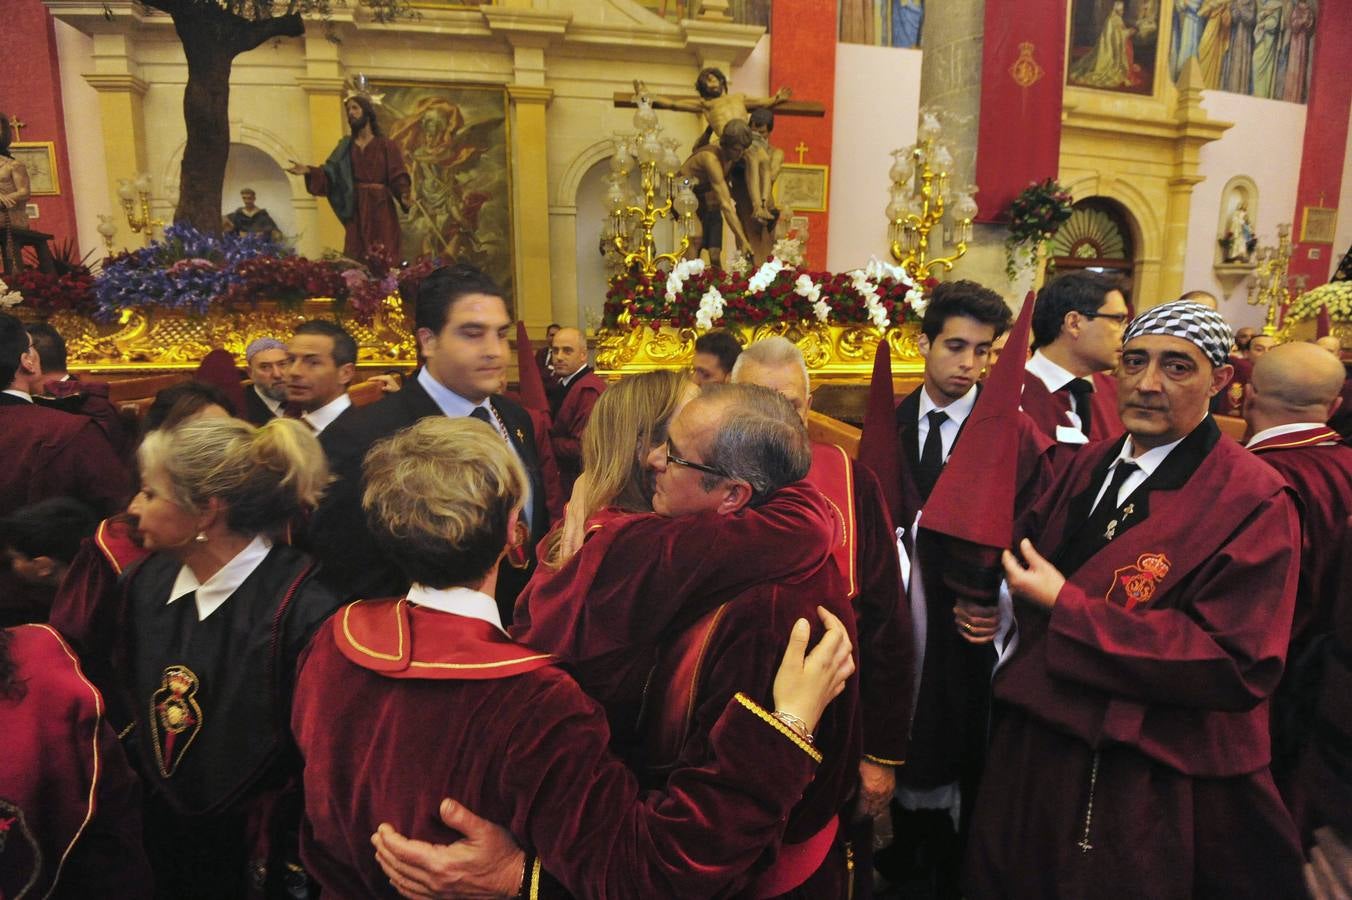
(803, 57)
(30, 90)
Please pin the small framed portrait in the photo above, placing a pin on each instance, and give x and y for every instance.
(802, 188)
(31, 209)
(1318, 225)
(39, 157)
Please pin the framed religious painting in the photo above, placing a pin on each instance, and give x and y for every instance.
(39, 157)
(455, 143)
(1318, 225)
(802, 187)
(1113, 45)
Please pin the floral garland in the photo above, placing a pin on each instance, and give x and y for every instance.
(1336, 295)
(1034, 217)
(695, 296)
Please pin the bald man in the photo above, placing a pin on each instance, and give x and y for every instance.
(1331, 344)
(580, 389)
(1295, 388)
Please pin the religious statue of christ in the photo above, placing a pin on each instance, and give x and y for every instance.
(362, 178)
(720, 107)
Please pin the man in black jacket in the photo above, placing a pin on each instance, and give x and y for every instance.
(462, 328)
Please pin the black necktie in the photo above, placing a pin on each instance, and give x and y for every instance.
(483, 416)
(1079, 391)
(932, 456)
(1108, 504)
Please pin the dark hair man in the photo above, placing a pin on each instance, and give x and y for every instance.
(462, 326)
(1154, 601)
(362, 177)
(715, 354)
(581, 388)
(1077, 337)
(948, 733)
(39, 541)
(321, 363)
(64, 391)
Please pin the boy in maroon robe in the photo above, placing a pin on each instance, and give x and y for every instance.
(524, 745)
(1153, 614)
(1068, 388)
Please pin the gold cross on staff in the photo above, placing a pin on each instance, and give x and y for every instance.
(810, 108)
(17, 125)
(801, 150)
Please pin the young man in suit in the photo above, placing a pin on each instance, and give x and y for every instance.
(462, 329)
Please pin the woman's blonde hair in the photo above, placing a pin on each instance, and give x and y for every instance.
(438, 498)
(629, 419)
(263, 476)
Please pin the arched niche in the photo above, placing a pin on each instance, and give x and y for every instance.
(592, 275)
(1101, 235)
(249, 167)
(1240, 192)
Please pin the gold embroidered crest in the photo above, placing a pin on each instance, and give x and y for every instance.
(1140, 581)
(175, 717)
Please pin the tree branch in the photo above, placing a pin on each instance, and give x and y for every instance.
(250, 34)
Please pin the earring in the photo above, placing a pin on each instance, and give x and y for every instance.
(201, 538)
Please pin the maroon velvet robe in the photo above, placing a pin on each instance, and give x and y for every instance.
(379, 175)
(1048, 409)
(48, 453)
(90, 398)
(569, 423)
(435, 704)
(887, 643)
(70, 809)
(1130, 752)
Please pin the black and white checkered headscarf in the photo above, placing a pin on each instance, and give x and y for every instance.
(1190, 321)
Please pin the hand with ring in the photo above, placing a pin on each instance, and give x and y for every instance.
(976, 624)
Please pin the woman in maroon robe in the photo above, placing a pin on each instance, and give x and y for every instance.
(196, 643)
(438, 701)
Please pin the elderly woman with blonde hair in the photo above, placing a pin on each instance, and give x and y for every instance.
(447, 705)
(196, 644)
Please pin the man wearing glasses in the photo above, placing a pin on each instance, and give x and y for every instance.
(1068, 387)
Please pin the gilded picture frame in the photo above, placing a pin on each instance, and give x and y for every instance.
(39, 157)
(803, 187)
(1318, 225)
(456, 143)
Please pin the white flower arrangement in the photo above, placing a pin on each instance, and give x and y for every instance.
(710, 309)
(789, 248)
(1336, 295)
(684, 269)
(9, 298)
(868, 291)
(764, 276)
(736, 262)
(810, 291)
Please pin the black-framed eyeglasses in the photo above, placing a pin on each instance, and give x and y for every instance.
(673, 459)
(1118, 318)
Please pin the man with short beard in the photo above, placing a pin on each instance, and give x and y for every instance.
(362, 177)
(266, 360)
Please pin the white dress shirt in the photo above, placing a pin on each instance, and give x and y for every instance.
(1056, 378)
(323, 417)
(217, 589)
(462, 601)
(957, 412)
(1146, 464)
(22, 395)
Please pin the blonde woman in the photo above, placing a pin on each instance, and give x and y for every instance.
(437, 701)
(198, 643)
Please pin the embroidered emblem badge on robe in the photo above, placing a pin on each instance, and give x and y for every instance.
(175, 716)
(1139, 582)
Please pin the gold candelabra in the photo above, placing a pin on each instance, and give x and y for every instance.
(920, 196)
(130, 192)
(660, 194)
(1270, 285)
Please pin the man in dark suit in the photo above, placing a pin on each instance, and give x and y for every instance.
(581, 389)
(462, 328)
(64, 391)
(266, 359)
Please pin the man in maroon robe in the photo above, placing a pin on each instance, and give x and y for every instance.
(948, 734)
(362, 178)
(1068, 388)
(1154, 605)
(64, 391)
(710, 614)
(581, 389)
(1295, 388)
